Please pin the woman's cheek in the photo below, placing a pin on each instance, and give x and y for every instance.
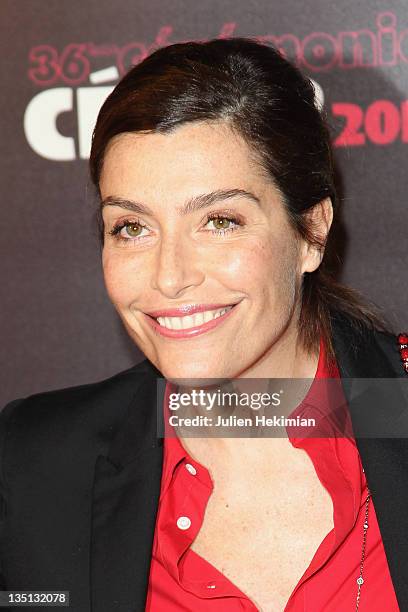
(119, 281)
(245, 262)
(277, 268)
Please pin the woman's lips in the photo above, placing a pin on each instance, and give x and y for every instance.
(187, 309)
(191, 331)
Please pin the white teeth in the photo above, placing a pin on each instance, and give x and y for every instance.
(176, 323)
(186, 321)
(194, 320)
(207, 315)
(198, 318)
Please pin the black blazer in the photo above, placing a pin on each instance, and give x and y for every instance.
(81, 469)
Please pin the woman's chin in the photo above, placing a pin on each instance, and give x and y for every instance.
(193, 378)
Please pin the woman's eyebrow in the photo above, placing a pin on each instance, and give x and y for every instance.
(193, 204)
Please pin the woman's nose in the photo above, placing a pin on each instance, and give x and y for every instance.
(176, 267)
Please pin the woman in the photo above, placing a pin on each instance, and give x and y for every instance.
(214, 171)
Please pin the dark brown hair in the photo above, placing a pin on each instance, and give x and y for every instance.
(271, 104)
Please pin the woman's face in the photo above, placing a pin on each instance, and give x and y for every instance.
(247, 256)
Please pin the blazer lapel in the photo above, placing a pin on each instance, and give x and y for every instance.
(124, 505)
(385, 457)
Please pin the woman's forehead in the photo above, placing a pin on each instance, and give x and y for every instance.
(199, 145)
(196, 156)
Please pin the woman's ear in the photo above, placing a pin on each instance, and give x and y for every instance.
(320, 218)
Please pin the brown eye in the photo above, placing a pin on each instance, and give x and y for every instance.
(221, 223)
(133, 229)
(128, 231)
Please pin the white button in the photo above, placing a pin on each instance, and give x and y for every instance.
(191, 469)
(183, 522)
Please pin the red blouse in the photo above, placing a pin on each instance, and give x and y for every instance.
(181, 580)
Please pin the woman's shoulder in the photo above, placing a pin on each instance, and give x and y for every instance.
(90, 412)
(73, 397)
(366, 348)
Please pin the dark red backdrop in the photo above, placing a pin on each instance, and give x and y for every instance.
(61, 58)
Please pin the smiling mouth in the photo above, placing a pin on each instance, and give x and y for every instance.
(193, 320)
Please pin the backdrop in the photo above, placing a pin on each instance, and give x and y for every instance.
(60, 59)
